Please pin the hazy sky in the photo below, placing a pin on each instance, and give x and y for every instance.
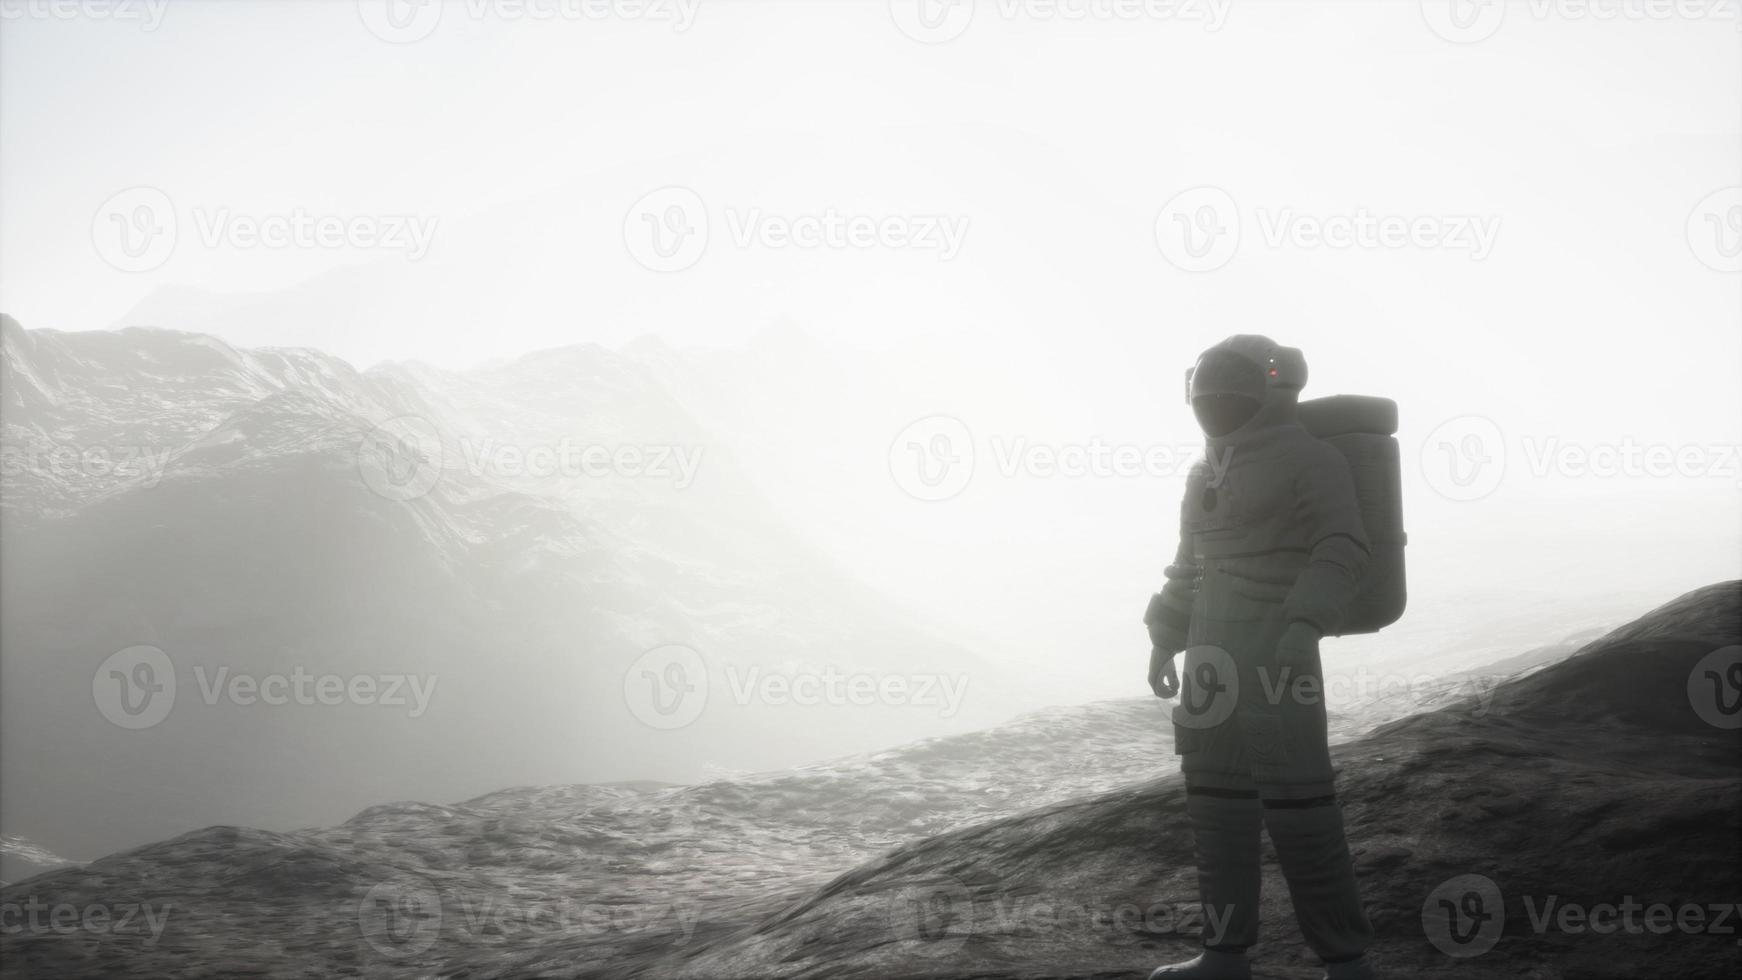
(1532, 212)
(1588, 140)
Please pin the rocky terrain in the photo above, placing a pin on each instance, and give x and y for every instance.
(1039, 849)
(1603, 779)
(20, 859)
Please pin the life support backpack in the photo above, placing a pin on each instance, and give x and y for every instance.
(1364, 430)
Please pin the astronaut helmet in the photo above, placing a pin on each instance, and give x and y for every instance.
(1234, 380)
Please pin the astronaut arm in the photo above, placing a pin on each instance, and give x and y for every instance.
(1327, 508)
(1169, 614)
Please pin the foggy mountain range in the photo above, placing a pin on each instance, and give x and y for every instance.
(239, 511)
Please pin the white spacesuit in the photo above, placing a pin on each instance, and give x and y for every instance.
(1270, 556)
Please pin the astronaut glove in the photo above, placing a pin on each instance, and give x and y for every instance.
(1298, 649)
(1163, 679)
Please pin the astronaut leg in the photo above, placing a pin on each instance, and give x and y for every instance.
(1226, 824)
(1292, 764)
(1308, 833)
(1223, 808)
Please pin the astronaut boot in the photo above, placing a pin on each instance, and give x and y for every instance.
(1321, 882)
(1356, 969)
(1208, 965)
(1225, 828)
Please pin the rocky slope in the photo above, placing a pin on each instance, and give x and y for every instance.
(520, 867)
(1611, 777)
(21, 859)
(1033, 850)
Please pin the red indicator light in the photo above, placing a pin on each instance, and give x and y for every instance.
(1273, 372)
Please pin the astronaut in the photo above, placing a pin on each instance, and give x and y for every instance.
(1269, 557)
